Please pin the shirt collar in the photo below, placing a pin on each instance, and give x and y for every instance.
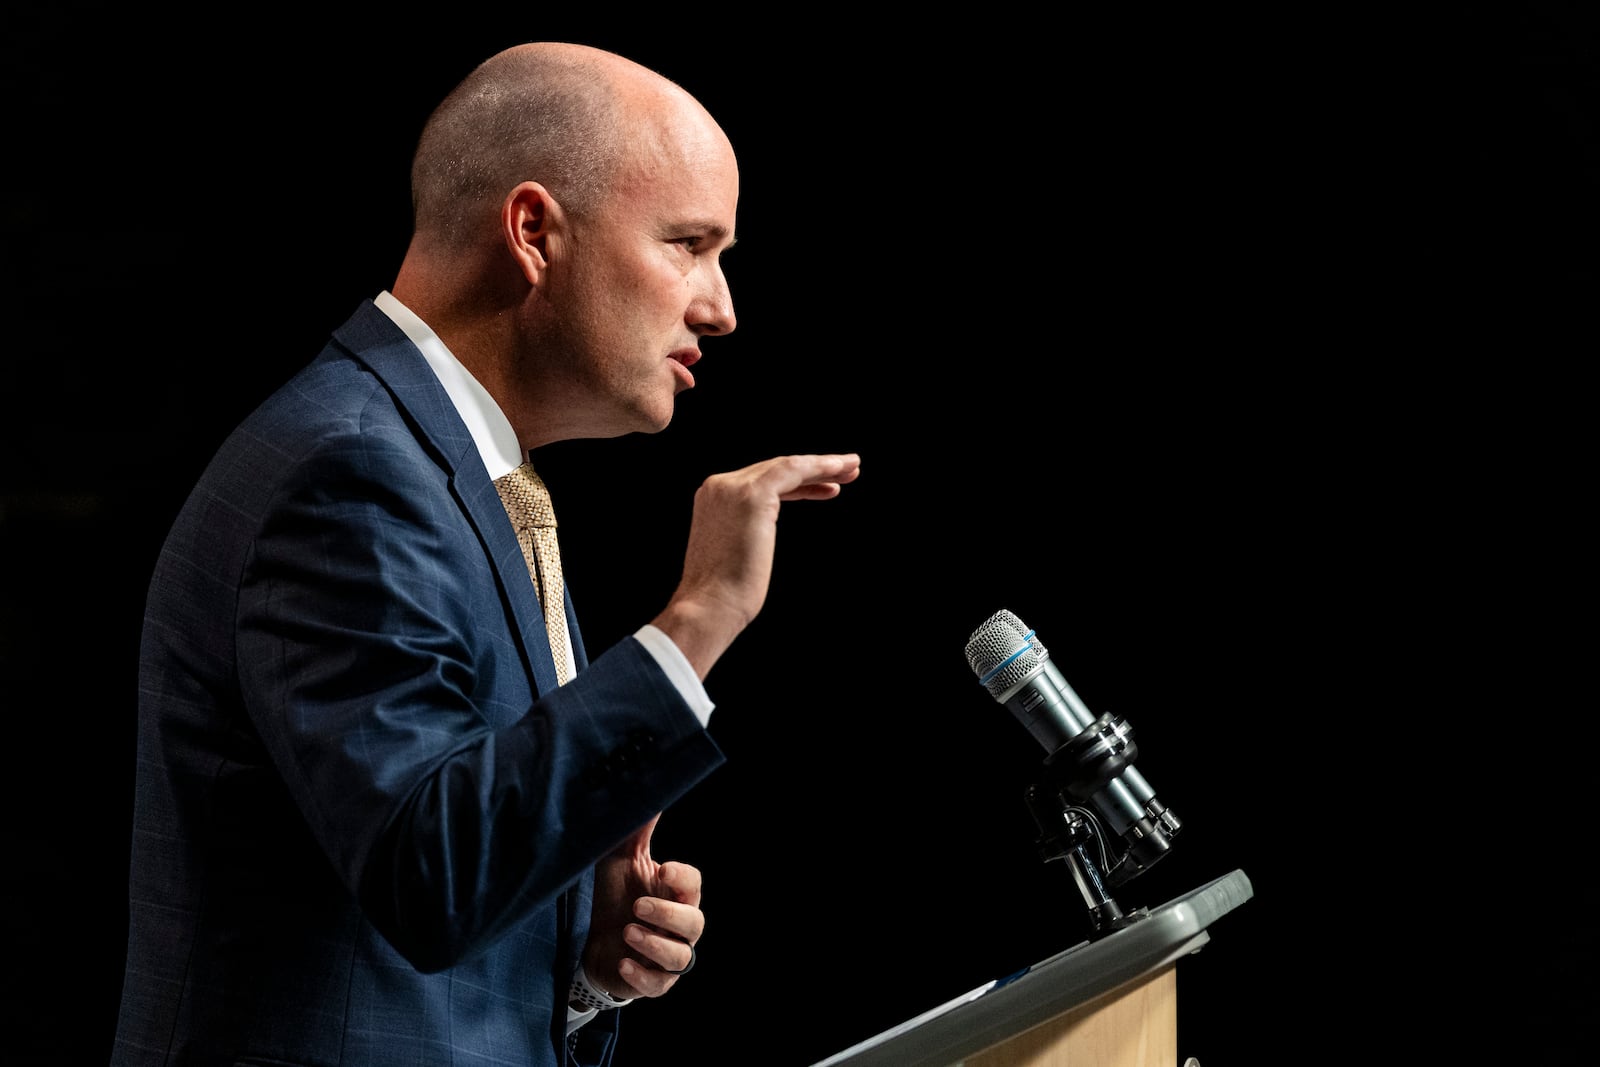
(490, 429)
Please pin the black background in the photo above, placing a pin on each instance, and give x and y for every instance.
(1241, 357)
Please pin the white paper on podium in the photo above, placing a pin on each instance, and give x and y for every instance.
(909, 1024)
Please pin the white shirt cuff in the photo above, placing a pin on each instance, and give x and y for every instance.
(676, 664)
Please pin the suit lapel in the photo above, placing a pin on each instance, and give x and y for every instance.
(374, 339)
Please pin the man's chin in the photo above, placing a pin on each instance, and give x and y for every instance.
(661, 418)
(654, 421)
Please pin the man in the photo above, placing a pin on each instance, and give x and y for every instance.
(377, 819)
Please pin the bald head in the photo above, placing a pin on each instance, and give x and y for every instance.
(568, 116)
(571, 211)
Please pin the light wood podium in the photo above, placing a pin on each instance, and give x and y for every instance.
(1112, 1002)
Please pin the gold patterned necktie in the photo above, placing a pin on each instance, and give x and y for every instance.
(527, 501)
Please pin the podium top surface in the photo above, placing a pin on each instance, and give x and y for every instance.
(1007, 1006)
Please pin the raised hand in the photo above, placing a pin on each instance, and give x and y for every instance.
(728, 565)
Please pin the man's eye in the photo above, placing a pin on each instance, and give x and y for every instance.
(691, 243)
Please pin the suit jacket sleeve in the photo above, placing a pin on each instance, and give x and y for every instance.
(381, 668)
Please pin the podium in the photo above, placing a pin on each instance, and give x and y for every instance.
(1111, 1002)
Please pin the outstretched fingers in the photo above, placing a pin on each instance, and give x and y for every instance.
(815, 477)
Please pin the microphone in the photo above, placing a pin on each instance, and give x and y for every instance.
(1090, 757)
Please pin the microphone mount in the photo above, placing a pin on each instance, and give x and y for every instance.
(1071, 832)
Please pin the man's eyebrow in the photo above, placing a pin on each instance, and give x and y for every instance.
(716, 230)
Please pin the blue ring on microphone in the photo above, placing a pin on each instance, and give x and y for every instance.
(1006, 662)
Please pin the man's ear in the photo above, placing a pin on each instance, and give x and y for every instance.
(528, 217)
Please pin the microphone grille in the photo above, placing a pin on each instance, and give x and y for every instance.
(1003, 651)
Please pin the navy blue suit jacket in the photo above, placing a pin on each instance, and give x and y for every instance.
(365, 816)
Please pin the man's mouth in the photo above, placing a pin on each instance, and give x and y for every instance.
(686, 358)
